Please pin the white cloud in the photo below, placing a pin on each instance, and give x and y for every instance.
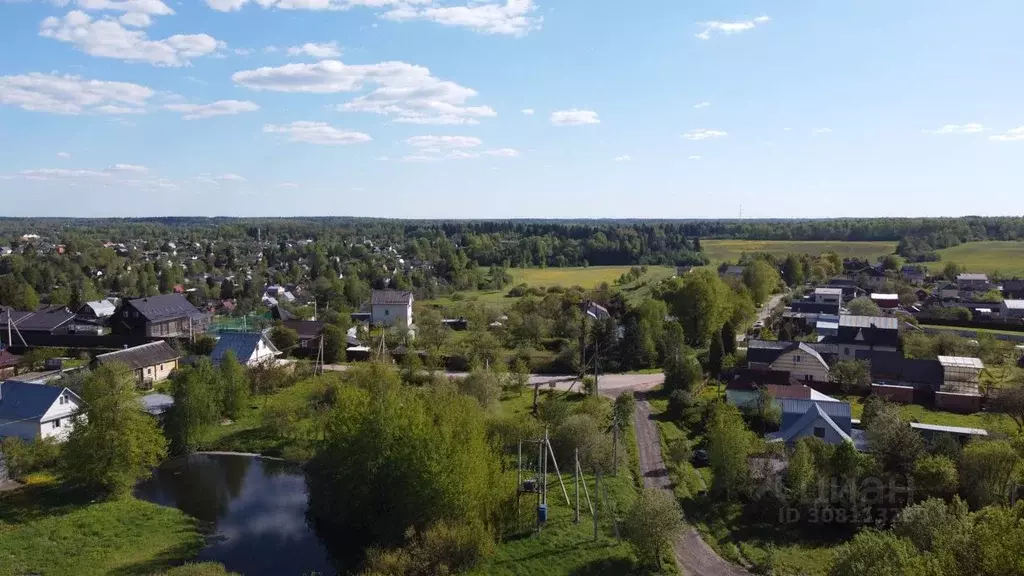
(436, 148)
(528, 111)
(133, 168)
(972, 128)
(821, 131)
(704, 134)
(787, 129)
(151, 7)
(312, 49)
(316, 133)
(625, 158)
(61, 173)
(63, 155)
(287, 185)
(439, 142)
(406, 92)
(574, 117)
(218, 108)
(312, 5)
(107, 38)
(229, 178)
(694, 158)
(136, 19)
(512, 18)
(730, 27)
(1014, 135)
(700, 105)
(72, 94)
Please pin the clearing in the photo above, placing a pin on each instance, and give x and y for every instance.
(730, 250)
(1006, 258)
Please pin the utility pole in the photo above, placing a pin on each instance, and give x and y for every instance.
(576, 473)
(597, 486)
(615, 446)
(519, 484)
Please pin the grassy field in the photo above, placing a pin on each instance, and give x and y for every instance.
(1006, 258)
(588, 277)
(730, 250)
(975, 330)
(45, 530)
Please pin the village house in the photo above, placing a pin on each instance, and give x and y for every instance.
(825, 295)
(866, 333)
(153, 362)
(947, 291)
(732, 273)
(1011, 309)
(913, 275)
(869, 277)
(1013, 289)
(973, 283)
(391, 308)
(8, 364)
(251, 348)
(829, 421)
(166, 316)
(802, 362)
(31, 411)
(886, 301)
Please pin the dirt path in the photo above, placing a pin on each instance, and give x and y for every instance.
(693, 555)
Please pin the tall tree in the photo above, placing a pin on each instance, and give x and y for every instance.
(701, 301)
(762, 279)
(793, 270)
(234, 386)
(197, 402)
(113, 442)
(716, 354)
(652, 524)
(987, 470)
(730, 444)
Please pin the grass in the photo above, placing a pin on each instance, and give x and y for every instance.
(1006, 258)
(975, 330)
(48, 530)
(723, 526)
(925, 415)
(719, 251)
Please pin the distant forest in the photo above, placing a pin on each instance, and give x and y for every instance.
(524, 243)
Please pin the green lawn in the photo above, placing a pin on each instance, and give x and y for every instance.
(589, 277)
(982, 330)
(46, 530)
(925, 415)
(719, 251)
(1006, 258)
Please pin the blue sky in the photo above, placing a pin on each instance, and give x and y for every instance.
(415, 108)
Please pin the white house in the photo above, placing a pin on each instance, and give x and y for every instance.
(826, 295)
(1012, 309)
(829, 421)
(250, 348)
(973, 282)
(391, 308)
(32, 411)
(802, 362)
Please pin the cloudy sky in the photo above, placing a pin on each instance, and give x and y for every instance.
(511, 108)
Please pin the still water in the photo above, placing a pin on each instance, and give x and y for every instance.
(255, 508)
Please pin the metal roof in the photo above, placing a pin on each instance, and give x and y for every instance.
(1014, 304)
(142, 356)
(44, 321)
(833, 409)
(982, 277)
(243, 344)
(825, 291)
(165, 307)
(101, 308)
(877, 296)
(881, 322)
(949, 429)
(961, 362)
(390, 297)
(813, 412)
(25, 401)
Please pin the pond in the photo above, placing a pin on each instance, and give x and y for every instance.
(255, 508)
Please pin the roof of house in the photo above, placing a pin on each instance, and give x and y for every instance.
(390, 297)
(949, 429)
(733, 271)
(815, 307)
(25, 401)
(164, 307)
(893, 366)
(142, 356)
(842, 283)
(243, 344)
(745, 379)
(878, 296)
(961, 362)
(912, 270)
(870, 271)
(880, 322)
(1014, 304)
(805, 348)
(44, 321)
(1013, 284)
(828, 291)
(972, 277)
(8, 360)
(306, 329)
(99, 308)
(814, 411)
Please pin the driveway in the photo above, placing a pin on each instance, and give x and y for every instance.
(693, 556)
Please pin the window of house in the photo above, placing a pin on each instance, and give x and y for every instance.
(819, 431)
(149, 370)
(387, 312)
(796, 358)
(846, 351)
(809, 377)
(56, 423)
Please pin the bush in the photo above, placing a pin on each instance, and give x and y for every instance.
(625, 406)
(652, 524)
(481, 385)
(444, 548)
(517, 291)
(679, 450)
(553, 410)
(578, 432)
(679, 403)
(24, 458)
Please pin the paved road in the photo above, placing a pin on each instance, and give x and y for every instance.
(693, 556)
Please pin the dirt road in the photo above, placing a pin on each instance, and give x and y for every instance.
(693, 556)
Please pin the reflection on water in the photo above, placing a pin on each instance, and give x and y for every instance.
(257, 509)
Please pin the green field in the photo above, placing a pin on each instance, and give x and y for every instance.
(1006, 258)
(589, 277)
(730, 250)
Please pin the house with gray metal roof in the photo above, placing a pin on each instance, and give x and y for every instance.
(830, 421)
(391, 308)
(152, 362)
(30, 411)
(165, 316)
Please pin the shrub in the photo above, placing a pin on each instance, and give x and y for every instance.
(679, 403)
(24, 458)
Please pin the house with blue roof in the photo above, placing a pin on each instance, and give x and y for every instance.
(250, 348)
(830, 421)
(31, 411)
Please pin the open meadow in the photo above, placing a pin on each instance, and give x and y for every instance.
(730, 250)
(1006, 258)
